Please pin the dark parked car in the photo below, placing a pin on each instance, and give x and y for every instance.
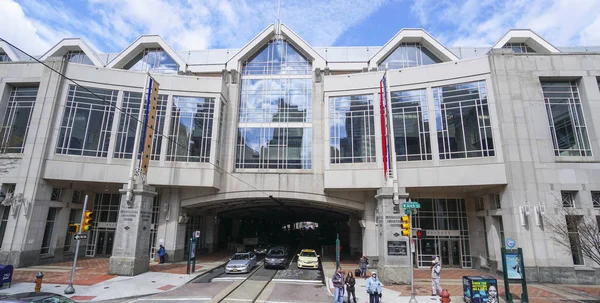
(35, 297)
(276, 257)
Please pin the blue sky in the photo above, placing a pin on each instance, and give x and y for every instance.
(111, 25)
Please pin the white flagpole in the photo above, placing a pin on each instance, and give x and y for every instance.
(137, 139)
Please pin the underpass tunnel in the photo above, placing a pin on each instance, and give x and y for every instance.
(294, 223)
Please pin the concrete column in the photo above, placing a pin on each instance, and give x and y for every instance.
(212, 233)
(170, 233)
(369, 232)
(355, 237)
(394, 262)
(132, 237)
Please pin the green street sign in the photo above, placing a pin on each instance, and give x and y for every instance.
(407, 211)
(411, 205)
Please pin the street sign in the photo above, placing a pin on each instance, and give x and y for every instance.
(80, 236)
(411, 205)
(510, 243)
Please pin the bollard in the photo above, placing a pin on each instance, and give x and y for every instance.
(38, 281)
(445, 296)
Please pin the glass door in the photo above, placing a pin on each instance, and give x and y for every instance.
(450, 253)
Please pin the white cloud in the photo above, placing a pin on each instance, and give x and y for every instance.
(478, 23)
(184, 24)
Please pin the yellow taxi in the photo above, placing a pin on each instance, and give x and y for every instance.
(308, 258)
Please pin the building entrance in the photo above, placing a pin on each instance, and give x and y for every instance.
(450, 253)
(105, 243)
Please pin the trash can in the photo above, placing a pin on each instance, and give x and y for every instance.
(6, 274)
(480, 289)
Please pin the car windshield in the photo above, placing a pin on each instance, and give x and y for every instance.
(54, 299)
(276, 252)
(241, 257)
(308, 254)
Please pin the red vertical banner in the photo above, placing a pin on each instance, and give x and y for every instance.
(383, 130)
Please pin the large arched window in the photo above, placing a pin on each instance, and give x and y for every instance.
(275, 114)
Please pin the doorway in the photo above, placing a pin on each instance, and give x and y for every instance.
(450, 253)
(105, 242)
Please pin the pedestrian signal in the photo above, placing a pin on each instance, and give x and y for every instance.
(73, 228)
(87, 221)
(405, 226)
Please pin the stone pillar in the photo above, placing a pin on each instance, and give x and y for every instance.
(355, 234)
(212, 233)
(394, 263)
(130, 255)
(369, 232)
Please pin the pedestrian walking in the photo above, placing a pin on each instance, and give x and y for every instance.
(374, 288)
(436, 267)
(350, 282)
(338, 285)
(363, 263)
(161, 254)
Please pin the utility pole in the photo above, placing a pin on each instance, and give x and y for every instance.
(412, 269)
(70, 289)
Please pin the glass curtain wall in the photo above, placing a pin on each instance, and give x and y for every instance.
(409, 55)
(446, 222)
(566, 119)
(191, 129)
(411, 125)
(519, 47)
(17, 119)
(463, 121)
(4, 58)
(48, 230)
(352, 129)
(153, 59)
(275, 115)
(127, 125)
(78, 57)
(86, 123)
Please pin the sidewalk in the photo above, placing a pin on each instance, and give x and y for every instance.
(93, 284)
(452, 281)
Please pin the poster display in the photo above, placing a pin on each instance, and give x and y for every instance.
(513, 266)
(480, 289)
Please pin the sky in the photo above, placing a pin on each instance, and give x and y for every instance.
(109, 26)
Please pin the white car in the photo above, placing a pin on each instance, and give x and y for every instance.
(241, 263)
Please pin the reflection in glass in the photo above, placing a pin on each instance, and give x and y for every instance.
(191, 129)
(565, 116)
(352, 129)
(276, 100)
(16, 119)
(409, 55)
(4, 57)
(155, 59)
(411, 125)
(78, 57)
(274, 148)
(463, 121)
(519, 47)
(128, 123)
(87, 120)
(277, 57)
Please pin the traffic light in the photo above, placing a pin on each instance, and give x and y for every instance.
(87, 221)
(405, 226)
(73, 228)
(421, 234)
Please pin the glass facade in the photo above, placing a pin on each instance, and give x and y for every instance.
(573, 223)
(596, 199)
(519, 47)
(352, 129)
(153, 59)
(275, 114)
(127, 125)
(78, 57)
(566, 119)
(411, 125)
(17, 119)
(409, 55)
(48, 230)
(463, 121)
(74, 217)
(4, 58)
(86, 122)
(191, 129)
(447, 232)
(106, 213)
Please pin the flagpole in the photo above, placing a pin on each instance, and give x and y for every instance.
(392, 139)
(136, 141)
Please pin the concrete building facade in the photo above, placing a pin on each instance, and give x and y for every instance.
(489, 141)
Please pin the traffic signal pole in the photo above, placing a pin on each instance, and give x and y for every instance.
(412, 269)
(70, 289)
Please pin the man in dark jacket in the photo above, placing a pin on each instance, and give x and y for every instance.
(338, 286)
(161, 255)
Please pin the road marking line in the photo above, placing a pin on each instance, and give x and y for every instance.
(172, 299)
(298, 281)
(239, 300)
